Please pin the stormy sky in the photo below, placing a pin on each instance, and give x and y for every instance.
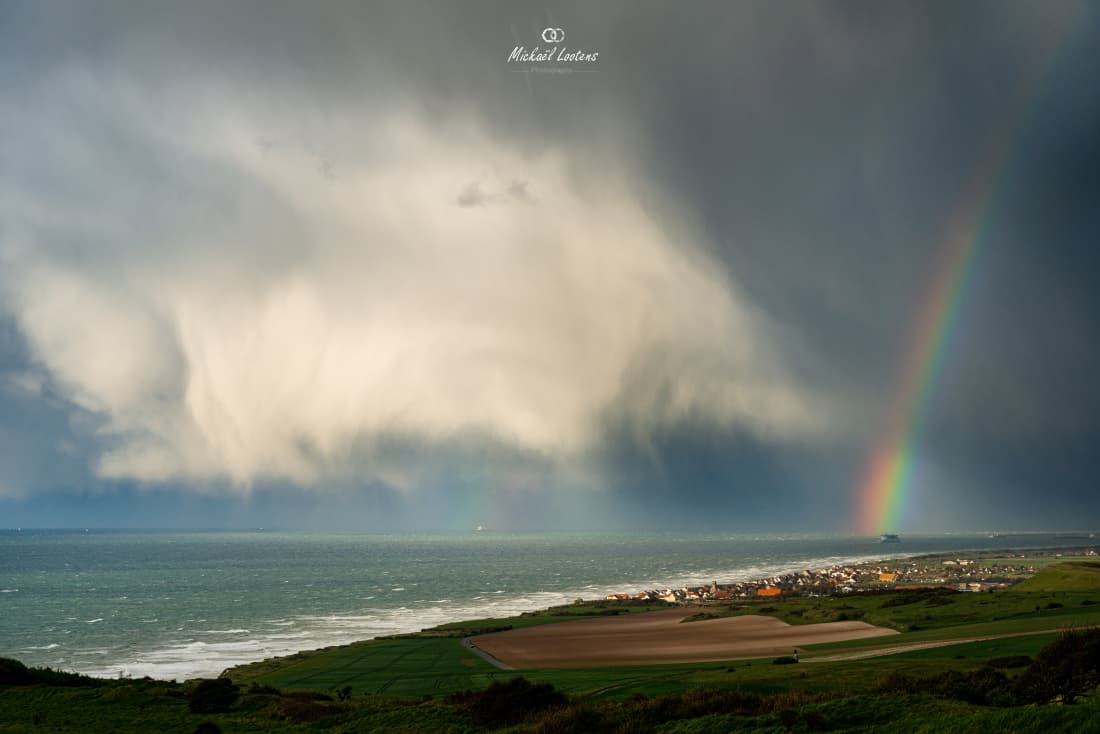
(346, 265)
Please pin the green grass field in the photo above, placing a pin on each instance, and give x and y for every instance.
(1067, 576)
(406, 667)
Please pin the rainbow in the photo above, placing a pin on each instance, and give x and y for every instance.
(889, 471)
(887, 476)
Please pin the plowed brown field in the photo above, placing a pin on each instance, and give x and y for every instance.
(659, 637)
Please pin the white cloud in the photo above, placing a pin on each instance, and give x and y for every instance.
(242, 295)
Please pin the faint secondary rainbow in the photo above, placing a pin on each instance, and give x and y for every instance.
(887, 475)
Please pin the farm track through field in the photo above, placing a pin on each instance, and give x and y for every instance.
(469, 645)
(912, 646)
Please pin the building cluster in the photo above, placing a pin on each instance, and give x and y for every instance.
(802, 583)
(962, 574)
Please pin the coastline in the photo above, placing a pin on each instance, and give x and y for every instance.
(245, 597)
(869, 566)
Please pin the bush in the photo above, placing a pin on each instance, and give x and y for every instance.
(697, 702)
(509, 702)
(14, 673)
(213, 696)
(1066, 668)
(300, 710)
(1010, 661)
(208, 727)
(575, 719)
(50, 677)
(260, 689)
(986, 686)
(784, 661)
(309, 696)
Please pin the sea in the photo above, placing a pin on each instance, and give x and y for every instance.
(179, 605)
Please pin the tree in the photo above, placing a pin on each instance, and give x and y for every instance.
(1068, 667)
(213, 696)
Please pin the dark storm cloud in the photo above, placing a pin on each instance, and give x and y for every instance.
(816, 152)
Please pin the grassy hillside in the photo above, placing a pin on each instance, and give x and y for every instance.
(1063, 577)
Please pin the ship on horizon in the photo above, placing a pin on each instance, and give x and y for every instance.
(889, 538)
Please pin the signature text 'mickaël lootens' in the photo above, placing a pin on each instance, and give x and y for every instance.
(558, 55)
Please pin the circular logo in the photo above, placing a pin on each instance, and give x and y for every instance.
(553, 35)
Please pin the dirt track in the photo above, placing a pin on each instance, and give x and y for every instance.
(880, 651)
(659, 637)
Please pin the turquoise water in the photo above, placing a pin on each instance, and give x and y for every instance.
(179, 605)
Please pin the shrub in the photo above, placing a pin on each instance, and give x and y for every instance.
(930, 596)
(784, 661)
(815, 721)
(509, 702)
(213, 696)
(208, 727)
(788, 718)
(698, 702)
(50, 677)
(309, 696)
(263, 690)
(1010, 661)
(14, 673)
(299, 710)
(986, 686)
(1066, 668)
(576, 719)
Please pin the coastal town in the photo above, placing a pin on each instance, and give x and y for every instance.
(975, 572)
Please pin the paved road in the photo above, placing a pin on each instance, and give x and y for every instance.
(466, 643)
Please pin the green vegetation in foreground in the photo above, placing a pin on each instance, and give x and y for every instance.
(954, 700)
(417, 682)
